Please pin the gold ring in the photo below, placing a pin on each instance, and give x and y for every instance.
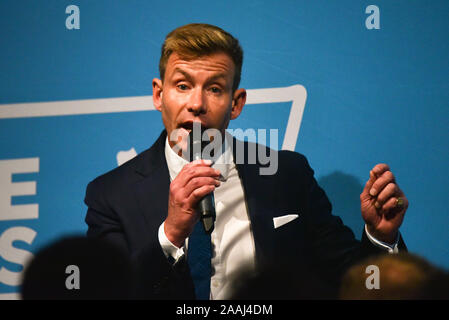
(399, 202)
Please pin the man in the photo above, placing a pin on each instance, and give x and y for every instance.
(148, 205)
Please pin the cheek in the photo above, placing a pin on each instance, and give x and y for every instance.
(169, 110)
(167, 118)
(221, 116)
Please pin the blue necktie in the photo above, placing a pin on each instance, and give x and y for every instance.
(199, 254)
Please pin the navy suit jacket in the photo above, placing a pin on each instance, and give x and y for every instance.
(128, 204)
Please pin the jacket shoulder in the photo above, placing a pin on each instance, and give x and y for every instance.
(292, 157)
(117, 178)
(133, 169)
(293, 162)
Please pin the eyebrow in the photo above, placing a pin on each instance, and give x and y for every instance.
(185, 74)
(189, 77)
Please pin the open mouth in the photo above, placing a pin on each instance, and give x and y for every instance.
(188, 125)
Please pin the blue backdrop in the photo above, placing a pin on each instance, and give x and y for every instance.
(375, 89)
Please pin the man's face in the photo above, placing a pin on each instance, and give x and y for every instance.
(198, 90)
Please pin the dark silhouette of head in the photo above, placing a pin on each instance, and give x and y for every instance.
(400, 276)
(78, 268)
(280, 282)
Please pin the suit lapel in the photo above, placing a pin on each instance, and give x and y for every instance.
(152, 190)
(260, 198)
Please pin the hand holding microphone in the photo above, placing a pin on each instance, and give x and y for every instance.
(196, 180)
(206, 206)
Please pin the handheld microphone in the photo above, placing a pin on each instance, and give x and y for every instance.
(206, 206)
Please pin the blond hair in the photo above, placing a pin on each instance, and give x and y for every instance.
(198, 39)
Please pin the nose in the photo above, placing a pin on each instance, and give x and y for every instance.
(197, 104)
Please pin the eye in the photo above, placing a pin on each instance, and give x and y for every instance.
(182, 86)
(215, 90)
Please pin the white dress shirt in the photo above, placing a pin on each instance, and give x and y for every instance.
(232, 238)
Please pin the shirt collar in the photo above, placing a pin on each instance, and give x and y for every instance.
(224, 163)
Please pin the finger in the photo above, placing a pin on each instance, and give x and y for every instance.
(388, 192)
(197, 163)
(198, 182)
(392, 203)
(206, 162)
(391, 206)
(198, 170)
(380, 168)
(368, 185)
(199, 194)
(380, 183)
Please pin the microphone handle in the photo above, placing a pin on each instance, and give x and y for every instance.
(206, 207)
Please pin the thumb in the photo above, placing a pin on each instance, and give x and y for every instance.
(365, 193)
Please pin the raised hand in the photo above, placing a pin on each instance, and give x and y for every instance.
(383, 204)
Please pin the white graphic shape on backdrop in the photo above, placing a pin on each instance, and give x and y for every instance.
(124, 156)
(297, 94)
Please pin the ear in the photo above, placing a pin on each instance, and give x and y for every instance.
(238, 101)
(157, 94)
